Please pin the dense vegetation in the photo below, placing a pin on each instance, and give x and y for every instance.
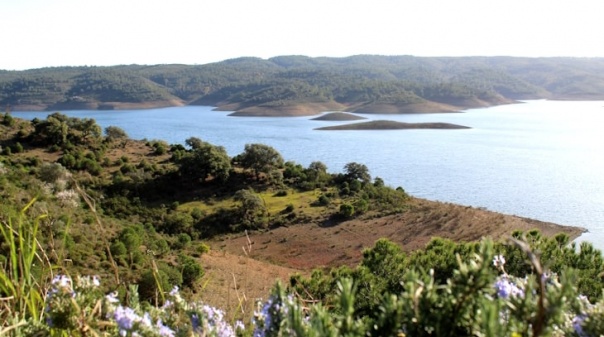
(158, 207)
(352, 82)
(77, 200)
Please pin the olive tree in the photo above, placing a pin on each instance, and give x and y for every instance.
(356, 171)
(206, 160)
(114, 133)
(260, 158)
(251, 205)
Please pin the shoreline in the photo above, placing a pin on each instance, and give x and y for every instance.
(292, 109)
(285, 110)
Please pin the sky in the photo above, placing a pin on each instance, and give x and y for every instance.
(49, 33)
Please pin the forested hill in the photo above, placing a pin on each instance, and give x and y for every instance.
(304, 85)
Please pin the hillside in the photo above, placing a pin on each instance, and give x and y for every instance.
(299, 85)
(104, 235)
(116, 207)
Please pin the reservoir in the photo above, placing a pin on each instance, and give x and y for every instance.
(538, 159)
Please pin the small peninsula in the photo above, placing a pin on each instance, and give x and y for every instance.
(392, 125)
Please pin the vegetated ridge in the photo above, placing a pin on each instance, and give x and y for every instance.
(299, 85)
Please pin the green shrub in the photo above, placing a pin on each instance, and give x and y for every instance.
(17, 148)
(191, 271)
(346, 210)
(203, 248)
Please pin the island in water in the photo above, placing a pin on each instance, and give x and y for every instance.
(393, 125)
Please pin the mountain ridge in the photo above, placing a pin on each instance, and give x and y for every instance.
(301, 85)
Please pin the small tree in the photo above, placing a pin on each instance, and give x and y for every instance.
(260, 158)
(194, 142)
(114, 133)
(250, 205)
(206, 160)
(356, 171)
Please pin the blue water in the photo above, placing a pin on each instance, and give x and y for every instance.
(538, 159)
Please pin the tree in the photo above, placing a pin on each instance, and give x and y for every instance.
(250, 205)
(114, 132)
(206, 160)
(260, 158)
(318, 167)
(190, 269)
(194, 142)
(356, 171)
(52, 172)
(317, 171)
(89, 129)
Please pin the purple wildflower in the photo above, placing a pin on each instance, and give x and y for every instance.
(195, 322)
(578, 325)
(61, 281)
(210, 321)
(164, 330)
(125, 318)
(174, 291)
(506, 288)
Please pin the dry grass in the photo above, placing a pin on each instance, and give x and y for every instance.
(241, 268)
(312, 245)
(235, 282)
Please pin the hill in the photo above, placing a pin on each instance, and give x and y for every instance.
(298, 85)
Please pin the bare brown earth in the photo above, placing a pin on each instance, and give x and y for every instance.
(241, 269)
(307, 246)
(234, 282)
(392, 125)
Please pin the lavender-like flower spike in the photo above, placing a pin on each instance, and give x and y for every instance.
(125, 318)
(174, 291)
(578, 325)
(61, 281)
(164, 331)
(506, 288)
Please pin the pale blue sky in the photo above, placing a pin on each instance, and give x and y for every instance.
(43, 33)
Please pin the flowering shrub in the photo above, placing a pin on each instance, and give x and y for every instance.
(78, 307)
(478, 298)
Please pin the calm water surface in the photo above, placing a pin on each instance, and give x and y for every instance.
(538, 159)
